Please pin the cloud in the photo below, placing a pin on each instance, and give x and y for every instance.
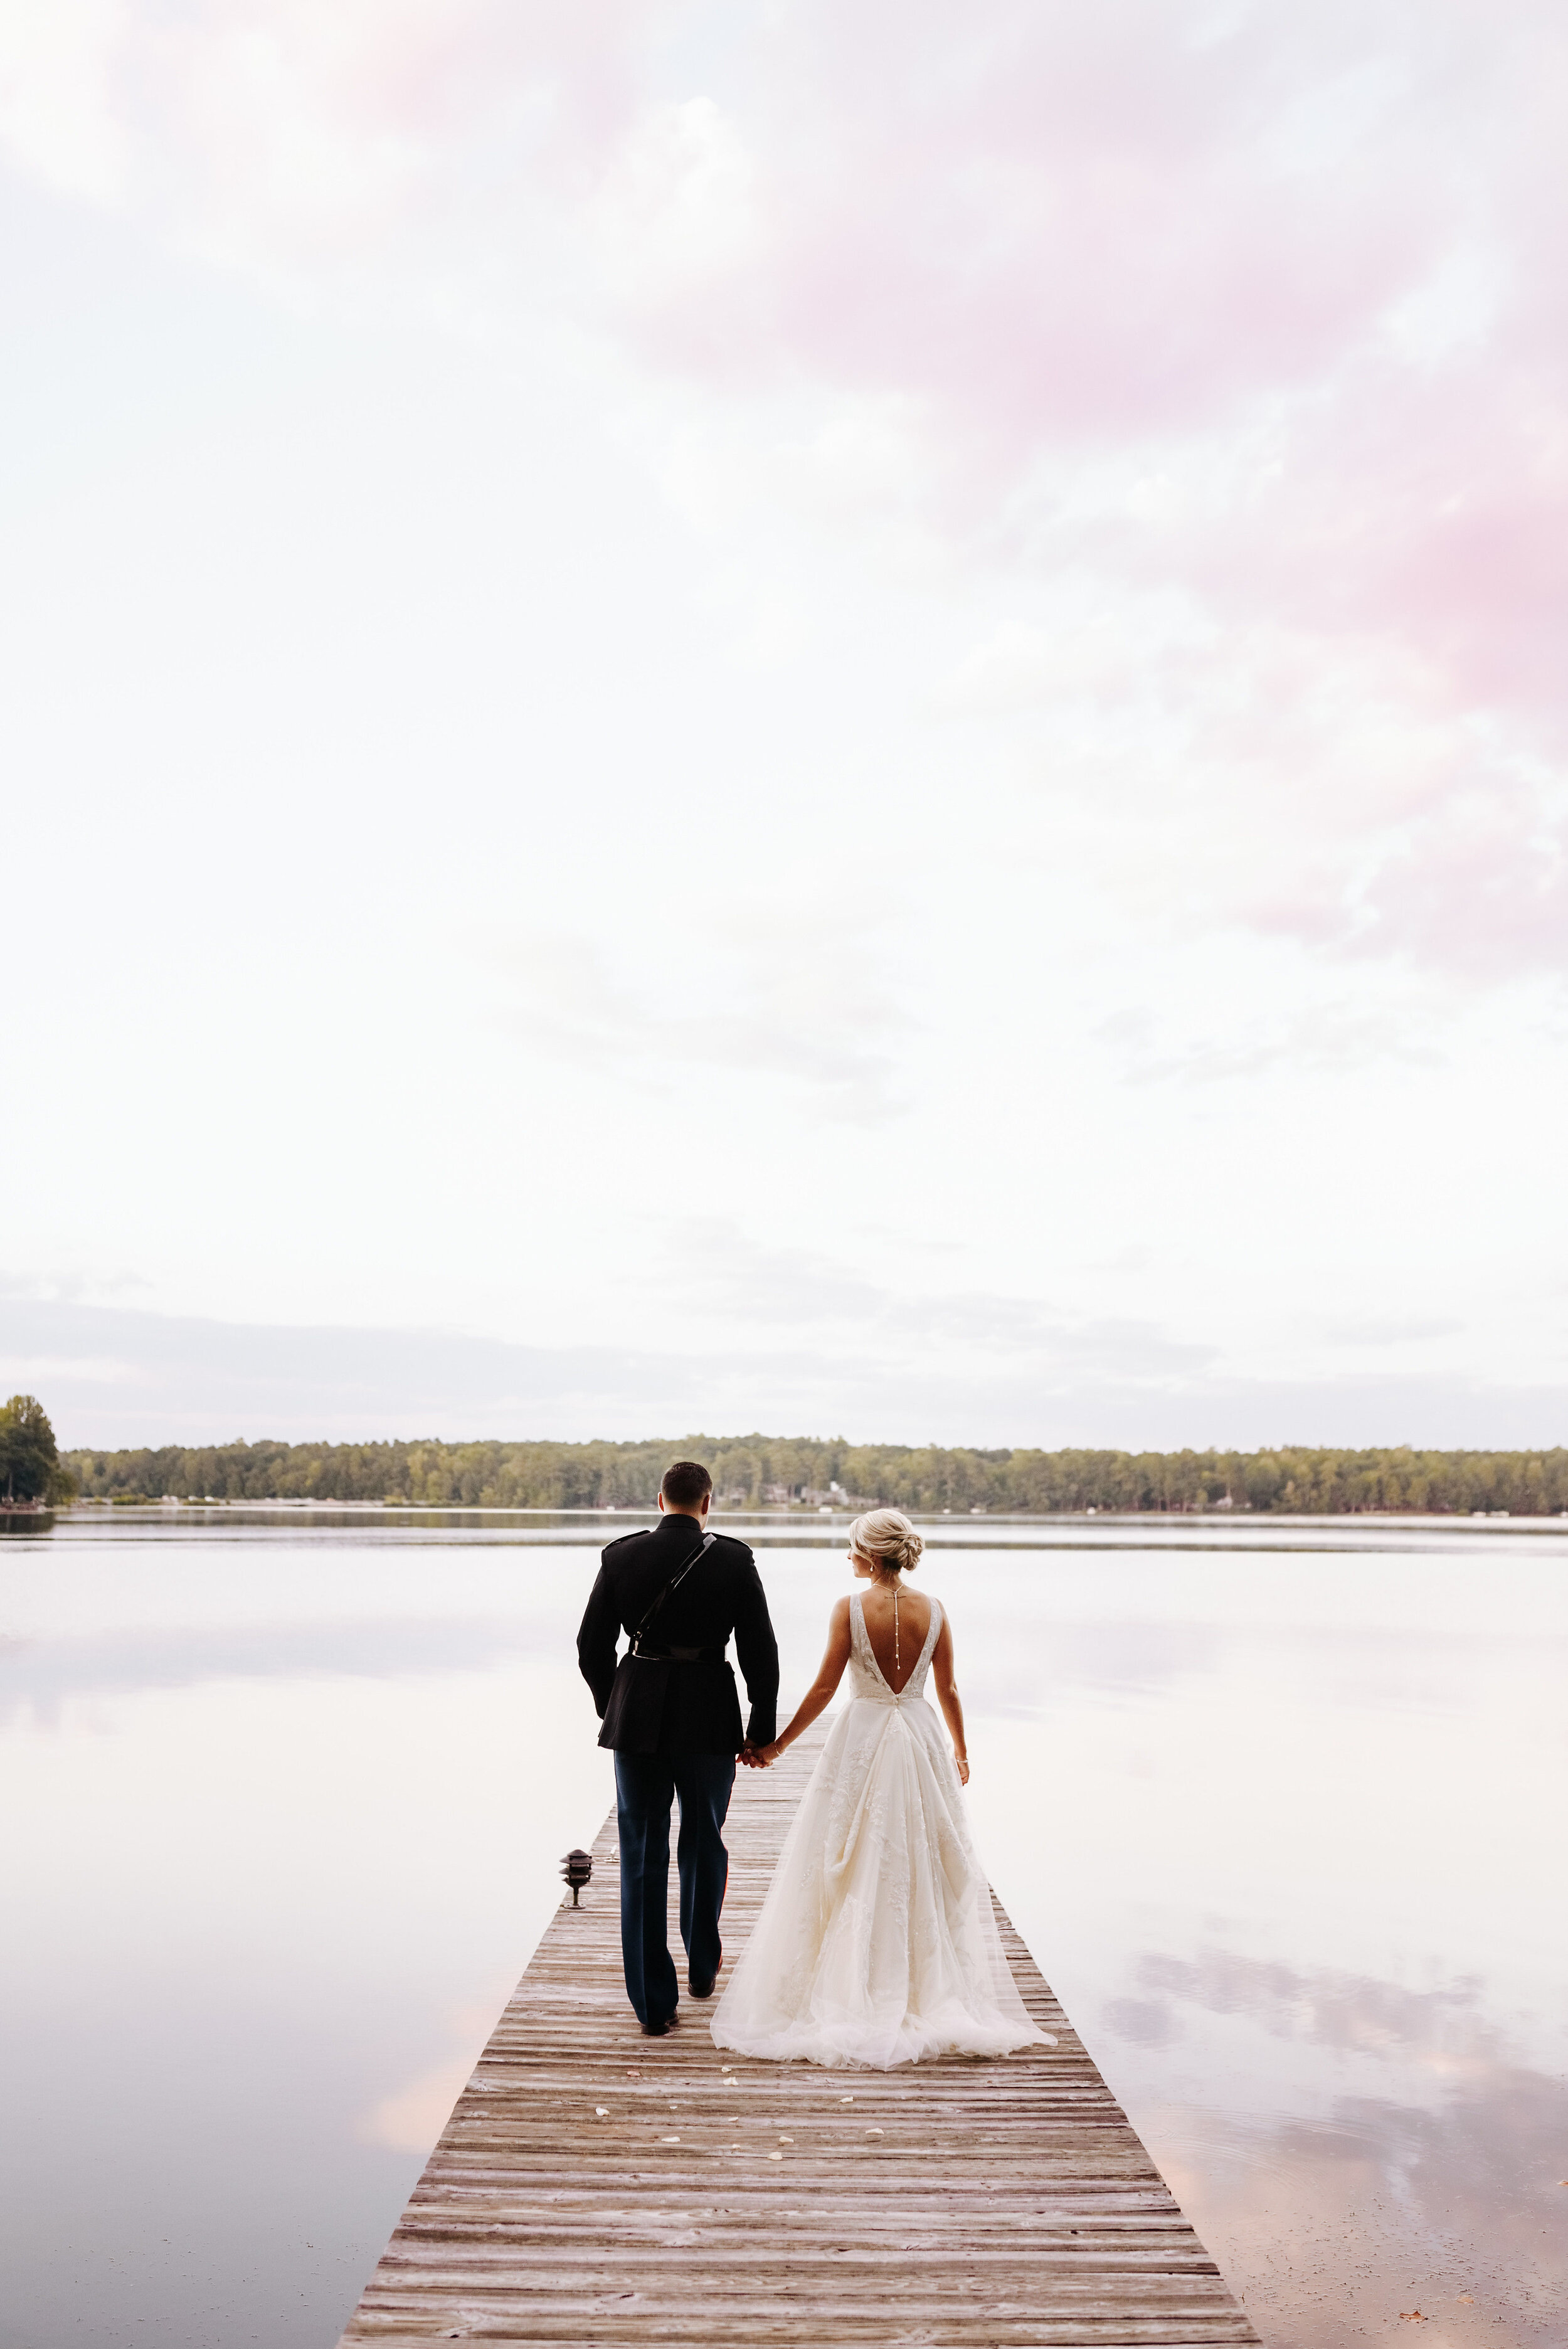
(271, 132)
(58, 116)
(970, 1369)
(120, 1376)
(1326, 1038)
(1413, 1331)
(25, 1373)
(752, 1284)
(799, 1004)
(676, 206)
(1258, 312)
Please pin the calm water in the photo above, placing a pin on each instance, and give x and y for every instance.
(284, 1802)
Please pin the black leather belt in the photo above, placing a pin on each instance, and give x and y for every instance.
(678, 1655)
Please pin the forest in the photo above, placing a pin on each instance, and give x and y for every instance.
(805, 1472)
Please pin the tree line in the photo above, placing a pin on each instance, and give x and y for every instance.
(762, 1471)
(30, 1465)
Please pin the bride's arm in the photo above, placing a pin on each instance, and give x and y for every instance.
(820, 1695)
(947, 1696)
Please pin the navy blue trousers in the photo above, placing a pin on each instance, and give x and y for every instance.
(645, 1785)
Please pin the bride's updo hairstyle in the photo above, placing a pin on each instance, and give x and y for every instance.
(888, 1539)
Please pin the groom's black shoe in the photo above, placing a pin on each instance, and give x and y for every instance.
(703, 1988)
(659, 2030)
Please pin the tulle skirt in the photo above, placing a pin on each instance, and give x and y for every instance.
(877, 1943)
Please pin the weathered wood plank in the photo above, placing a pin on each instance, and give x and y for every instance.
(594, 2187)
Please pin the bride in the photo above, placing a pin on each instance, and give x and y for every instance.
(877, 1943)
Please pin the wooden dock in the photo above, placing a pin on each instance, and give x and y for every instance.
(594, 2187)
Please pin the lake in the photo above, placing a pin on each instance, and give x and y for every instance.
(1278, 1805)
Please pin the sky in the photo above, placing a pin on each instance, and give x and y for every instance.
(849, 720)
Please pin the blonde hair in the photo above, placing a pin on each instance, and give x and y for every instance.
(888, 1539)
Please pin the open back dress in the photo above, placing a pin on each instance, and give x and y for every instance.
(877, 1943)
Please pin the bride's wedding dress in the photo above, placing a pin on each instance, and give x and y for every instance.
(877, 1943)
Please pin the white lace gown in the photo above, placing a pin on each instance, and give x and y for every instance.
(877, 1943)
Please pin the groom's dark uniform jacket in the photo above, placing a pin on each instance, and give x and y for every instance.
(679, 1696)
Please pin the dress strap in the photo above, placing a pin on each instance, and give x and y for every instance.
(860, 1642)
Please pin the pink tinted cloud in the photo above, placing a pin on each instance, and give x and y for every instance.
(1058, 221)
(1485, 894)
(1301, 264)
(307, 128)
(1476, 884)
(1174, 227)
(1308, 268)
(1057, 226)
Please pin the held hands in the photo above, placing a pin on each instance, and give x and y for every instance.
(763, 1757)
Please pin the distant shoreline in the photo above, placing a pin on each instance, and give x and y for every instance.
(800, 1478)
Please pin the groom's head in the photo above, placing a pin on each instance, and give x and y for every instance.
(686, 1489)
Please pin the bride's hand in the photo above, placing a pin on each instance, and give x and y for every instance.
(961, 1762)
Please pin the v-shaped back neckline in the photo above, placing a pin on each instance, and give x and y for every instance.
(926, 1645)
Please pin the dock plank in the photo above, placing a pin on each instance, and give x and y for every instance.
(594, 2187)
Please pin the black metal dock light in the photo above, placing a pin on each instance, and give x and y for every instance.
(576, 1867)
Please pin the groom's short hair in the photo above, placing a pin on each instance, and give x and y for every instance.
(684, 1483)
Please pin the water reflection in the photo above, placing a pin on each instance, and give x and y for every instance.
(283, 1804)
(1359, 2149)
(38, 1679)
(1334, 2229)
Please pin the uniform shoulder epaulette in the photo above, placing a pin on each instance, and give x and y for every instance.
(622, 1539)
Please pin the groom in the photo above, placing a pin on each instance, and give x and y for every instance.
(672, 1719)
